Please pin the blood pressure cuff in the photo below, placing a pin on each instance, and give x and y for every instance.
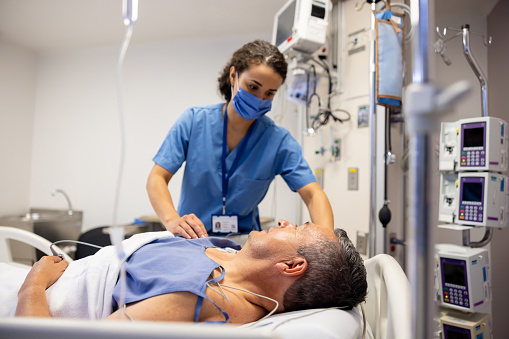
(389, 57)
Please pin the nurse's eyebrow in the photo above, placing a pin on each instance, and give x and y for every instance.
(259, 84)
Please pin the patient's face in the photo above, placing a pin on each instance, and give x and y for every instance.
(285, 238)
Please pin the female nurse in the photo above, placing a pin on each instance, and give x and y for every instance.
(232, 153)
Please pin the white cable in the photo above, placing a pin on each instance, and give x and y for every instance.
(258, 295)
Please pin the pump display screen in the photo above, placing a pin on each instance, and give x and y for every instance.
(285, 24)
(452, 332)
(454, 274)
(473, 137)
(472, 191)
(318, 11)
(454, 283)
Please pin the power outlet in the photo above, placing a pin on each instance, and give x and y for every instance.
(362, 243)
(390, 245)
(353, 179)
(319, 176)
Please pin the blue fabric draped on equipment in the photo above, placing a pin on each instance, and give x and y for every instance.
(389, 58)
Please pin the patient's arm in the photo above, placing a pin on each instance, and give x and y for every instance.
(32, 301)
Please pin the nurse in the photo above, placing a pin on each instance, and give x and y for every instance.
(232, 153)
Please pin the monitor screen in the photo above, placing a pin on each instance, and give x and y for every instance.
(473, 137)
(318, 11)
(472, 191)
(454, 274)
(285, 24)
(452, 332)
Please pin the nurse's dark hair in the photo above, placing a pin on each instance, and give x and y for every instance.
(257, 52)
(335, 277)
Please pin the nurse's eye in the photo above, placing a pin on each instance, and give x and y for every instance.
(270, 94)
(253, 87)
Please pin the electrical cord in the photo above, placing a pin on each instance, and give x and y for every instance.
(323, 115)
(55, 253)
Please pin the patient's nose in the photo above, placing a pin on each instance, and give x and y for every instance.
(284, 223)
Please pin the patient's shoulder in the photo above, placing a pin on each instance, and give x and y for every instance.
(175, 306)
(238, 308)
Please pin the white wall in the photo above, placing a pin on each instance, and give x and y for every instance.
(76, 135)
(17, 101)
(351, 208)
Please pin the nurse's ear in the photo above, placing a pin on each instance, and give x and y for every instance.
(233, 75)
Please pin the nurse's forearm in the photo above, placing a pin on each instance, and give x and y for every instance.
(160, 197)
(189, 225)
(318, 205)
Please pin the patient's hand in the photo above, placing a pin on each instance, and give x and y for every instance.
(45, 272)
(32, 301)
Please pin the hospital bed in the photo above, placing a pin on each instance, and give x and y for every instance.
(387, 311)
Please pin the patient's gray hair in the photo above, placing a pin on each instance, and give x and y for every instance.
(336, 276)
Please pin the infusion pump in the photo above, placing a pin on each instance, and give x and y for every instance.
(474, 199)
(463, 277)
(466, 326)
(474, 144)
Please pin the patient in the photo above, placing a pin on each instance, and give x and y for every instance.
(175, 279)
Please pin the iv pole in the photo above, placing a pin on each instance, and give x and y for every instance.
(423, 104)
(421, 232)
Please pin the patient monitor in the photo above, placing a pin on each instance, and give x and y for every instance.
(474, 144)
(301, 25)
(463, 277)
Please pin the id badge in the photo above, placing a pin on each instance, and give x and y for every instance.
(225, 223)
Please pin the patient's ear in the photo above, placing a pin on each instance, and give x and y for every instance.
(293, 267)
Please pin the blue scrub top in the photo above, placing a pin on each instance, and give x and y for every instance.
(197, 139)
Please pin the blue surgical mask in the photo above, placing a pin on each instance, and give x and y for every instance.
(249, 106)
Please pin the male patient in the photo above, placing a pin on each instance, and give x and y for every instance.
(175, 279)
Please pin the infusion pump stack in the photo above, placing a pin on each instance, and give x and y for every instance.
(473, 155)
(473, 193)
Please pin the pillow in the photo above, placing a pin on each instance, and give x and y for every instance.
(316, 323)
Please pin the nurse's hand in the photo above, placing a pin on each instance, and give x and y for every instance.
(189, 226)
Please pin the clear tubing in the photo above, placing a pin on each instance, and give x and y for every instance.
(116, 231)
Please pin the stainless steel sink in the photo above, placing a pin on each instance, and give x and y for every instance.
(50, 224)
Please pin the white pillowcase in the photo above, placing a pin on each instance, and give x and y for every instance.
(316, 323)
